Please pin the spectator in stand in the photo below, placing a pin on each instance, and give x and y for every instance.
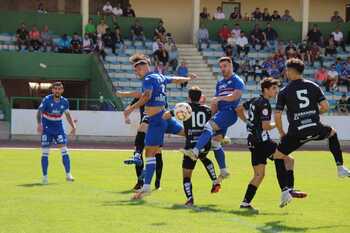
(100, 47)
(339, 38)
(156, 44)
(315, 35)
(41, 9)
(231, 41)
(266, 15)
(236, 14)
(64, 44)
(118, 36)
(129, 12)
(281, 48)
(302, 50)
(345, 74)
(224, 34)
(204, 14)
(107, 9)
(102, 27)
(290, 46)
(34, 39)
(229, 51)
(275, 16)
(88, 44)
(173, 56)
(90, 29)
(321, 76)
(22, 37)
(314, 54)
(236, 31)
(257, 14)
(46, 39)
(137, 33)
(336, 18)
(330, 48)
(117, 11)
(291, 51)
(257, 37)
(219, 14)
(274, 71)
(242, 44)
(182, 71)
(203, 36)
(342, 105)
(287, 17)
(76, 44)
(271, 37)
(332, 79)
(162, 56)
(160, 31)
(257, 71)
(109, 40)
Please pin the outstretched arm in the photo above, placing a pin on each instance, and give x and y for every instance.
(235, 95)
(179, 80)
(145, 97)
(133, 94)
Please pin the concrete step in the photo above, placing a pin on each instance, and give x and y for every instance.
(197, 65)
(192, 57)
(4, 130)
(185, 46)
(201, 69)
(204, 81)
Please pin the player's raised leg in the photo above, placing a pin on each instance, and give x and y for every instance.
(335, 149)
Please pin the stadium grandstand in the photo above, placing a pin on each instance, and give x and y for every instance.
(87, 45)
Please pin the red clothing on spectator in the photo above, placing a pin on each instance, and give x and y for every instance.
(321, 75)
(34, 35)
(224, 33)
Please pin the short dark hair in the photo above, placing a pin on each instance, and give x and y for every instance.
(266, 83)
(296, 64)
(195, 93)
(57, 84)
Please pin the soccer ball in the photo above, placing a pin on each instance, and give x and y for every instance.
(182, 111)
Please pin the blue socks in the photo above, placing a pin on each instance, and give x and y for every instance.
(205, 137)
(220, 157)
(150, 168)
(65, 159)
(45, 160)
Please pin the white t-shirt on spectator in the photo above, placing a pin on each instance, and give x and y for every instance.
(87, 43)
(333, 73)
(236, 32)
(155, 46)
(107, 8)
(231, 41)
(242, 41)
(219, 15)
(117, 12)
(338, 36)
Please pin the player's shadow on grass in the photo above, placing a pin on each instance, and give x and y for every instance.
(278, 226)
(31, 185)
(124, 203)
(125, 192)
(247, 213)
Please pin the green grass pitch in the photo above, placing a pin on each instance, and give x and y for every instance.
(98, 201)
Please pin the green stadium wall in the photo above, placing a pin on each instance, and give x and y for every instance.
(67, 23)
(75, 67)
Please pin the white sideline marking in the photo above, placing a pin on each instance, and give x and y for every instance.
(73, 149)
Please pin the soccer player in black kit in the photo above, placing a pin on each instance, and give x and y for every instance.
(259, 142)
(305, 102)
(139, 144)
(194, 126)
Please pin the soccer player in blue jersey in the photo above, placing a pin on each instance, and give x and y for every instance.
(227, 96)
(50, 126)
(154, 99)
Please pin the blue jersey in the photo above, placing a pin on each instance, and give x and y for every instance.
(157, 84)
(52, 114)
(224, 87)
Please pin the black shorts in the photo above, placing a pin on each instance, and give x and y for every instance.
(291, 142)
(188, 163)
(261, 151)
